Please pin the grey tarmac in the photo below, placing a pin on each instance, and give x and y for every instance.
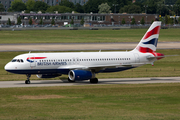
(80, 46)
(47, 83)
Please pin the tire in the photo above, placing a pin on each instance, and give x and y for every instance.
(94, 80)
(27, 82)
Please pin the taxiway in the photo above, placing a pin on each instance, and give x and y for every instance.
(45, 83)
(80, 46)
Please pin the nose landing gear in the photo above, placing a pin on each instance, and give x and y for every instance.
(28, 81)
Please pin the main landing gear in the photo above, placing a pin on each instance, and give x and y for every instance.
(93, 80)
(28, 81)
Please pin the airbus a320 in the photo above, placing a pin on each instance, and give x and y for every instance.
(81, 66)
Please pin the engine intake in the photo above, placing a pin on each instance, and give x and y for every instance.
(75, 75)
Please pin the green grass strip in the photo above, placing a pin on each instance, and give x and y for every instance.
(105, 102)
(83, 36)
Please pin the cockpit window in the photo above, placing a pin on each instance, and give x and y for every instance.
(14, 60)
(17, 60)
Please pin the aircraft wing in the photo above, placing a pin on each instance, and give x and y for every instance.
(88, 67)
(99, 67)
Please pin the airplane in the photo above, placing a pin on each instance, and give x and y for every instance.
(81, 66)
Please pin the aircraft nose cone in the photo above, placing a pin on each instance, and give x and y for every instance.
(7, 66)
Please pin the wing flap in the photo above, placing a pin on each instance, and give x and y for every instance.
(71, 67)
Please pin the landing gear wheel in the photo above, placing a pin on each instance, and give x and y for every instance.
(70, 80)
(27, 82)
(93, 80)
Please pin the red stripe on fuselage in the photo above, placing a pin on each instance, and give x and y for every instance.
(152, 32)
(36, 58)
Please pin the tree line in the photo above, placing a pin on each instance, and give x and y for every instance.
(161, 7)
(164, 8)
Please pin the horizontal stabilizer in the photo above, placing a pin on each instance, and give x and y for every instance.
(170, 55)
(152, 57)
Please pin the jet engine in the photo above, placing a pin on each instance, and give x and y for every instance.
(48, 75)
(78, 75)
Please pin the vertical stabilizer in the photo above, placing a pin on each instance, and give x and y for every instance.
(149, 41)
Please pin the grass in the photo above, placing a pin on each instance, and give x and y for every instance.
(142, 101)
(166, 67)
(83, 36)
(114, 102)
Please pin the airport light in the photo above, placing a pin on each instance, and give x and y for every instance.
(145, 6)
(115, 7)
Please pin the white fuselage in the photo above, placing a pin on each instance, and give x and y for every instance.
(43, 63)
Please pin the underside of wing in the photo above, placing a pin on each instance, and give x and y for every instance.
(99, 68)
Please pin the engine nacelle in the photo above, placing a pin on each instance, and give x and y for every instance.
(48, 75)
(75, 75)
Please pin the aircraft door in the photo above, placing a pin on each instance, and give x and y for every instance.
(76, 60)
(32, 61)
(136, 57)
